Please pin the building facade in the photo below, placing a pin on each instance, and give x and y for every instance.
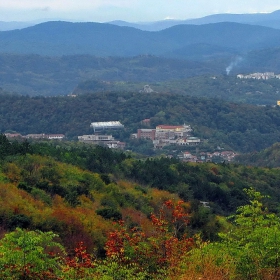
(146, 134)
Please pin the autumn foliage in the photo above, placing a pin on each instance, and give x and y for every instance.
(78, 265)
(163, 247)
(44, 202)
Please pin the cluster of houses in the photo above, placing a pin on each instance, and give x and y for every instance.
(161, 136)
(103, 139)
(36, 136)
(208, 157)
(164, 135)
(259, 76)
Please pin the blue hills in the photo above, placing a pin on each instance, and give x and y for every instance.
(101, 39)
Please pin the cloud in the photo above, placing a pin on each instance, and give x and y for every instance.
(168, 18)
(130, 10)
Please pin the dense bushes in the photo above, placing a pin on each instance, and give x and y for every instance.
(248, 249)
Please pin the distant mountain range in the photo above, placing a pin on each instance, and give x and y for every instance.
(263, 19)
(12, 25)
(51, 58)
(101, 39)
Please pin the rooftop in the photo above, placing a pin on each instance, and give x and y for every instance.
(111, 124)
(170, 126)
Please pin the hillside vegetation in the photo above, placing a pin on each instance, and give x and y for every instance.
(66, 38)
(59, 201)
(228, 88)
(240, 127)
(70, 210)
(269, 157)
(35, 75)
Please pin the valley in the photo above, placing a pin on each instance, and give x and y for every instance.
(140, 150)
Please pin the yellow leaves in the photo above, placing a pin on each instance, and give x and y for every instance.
(159, 196)
(37, 176)
(85, 202)
(125, 185)
(12, 172)
(16, 201)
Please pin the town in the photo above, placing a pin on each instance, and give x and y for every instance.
(259, 76)
(176, 140)
(161, 136)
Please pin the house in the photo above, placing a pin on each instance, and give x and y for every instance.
(115, 145)
(172, 131)
(45, 136)
(13, 135)
(146, 133)
(36, 136)
(187, 155)
(259, 76)
(121, 145)
(55, 136)
(192, 141)
(95, 138)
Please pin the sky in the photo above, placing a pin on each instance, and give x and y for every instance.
(127, 10)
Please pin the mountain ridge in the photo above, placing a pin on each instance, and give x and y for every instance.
(263, 19)
(101, 39)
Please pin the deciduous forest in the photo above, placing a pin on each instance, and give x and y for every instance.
(241, 127)
(87, 212)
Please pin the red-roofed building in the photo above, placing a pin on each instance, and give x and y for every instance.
(170, 127)
(13, 135)
(146, 121)
(172, 131)
(187, 155)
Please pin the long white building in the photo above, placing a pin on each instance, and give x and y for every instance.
(95, 138)
(106, 125)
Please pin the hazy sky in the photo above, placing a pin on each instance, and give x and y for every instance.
(128, 10)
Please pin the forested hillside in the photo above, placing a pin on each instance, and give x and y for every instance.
(269, 157)
(240, 127)
(36, 75)
(71, 210)
(67, 38)
(265, 60)
(60, 203)
(226, 87)
(219, 184)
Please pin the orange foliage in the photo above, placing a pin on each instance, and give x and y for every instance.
(80, 263)
(12, 172)
(136, 217)
(165, 245)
